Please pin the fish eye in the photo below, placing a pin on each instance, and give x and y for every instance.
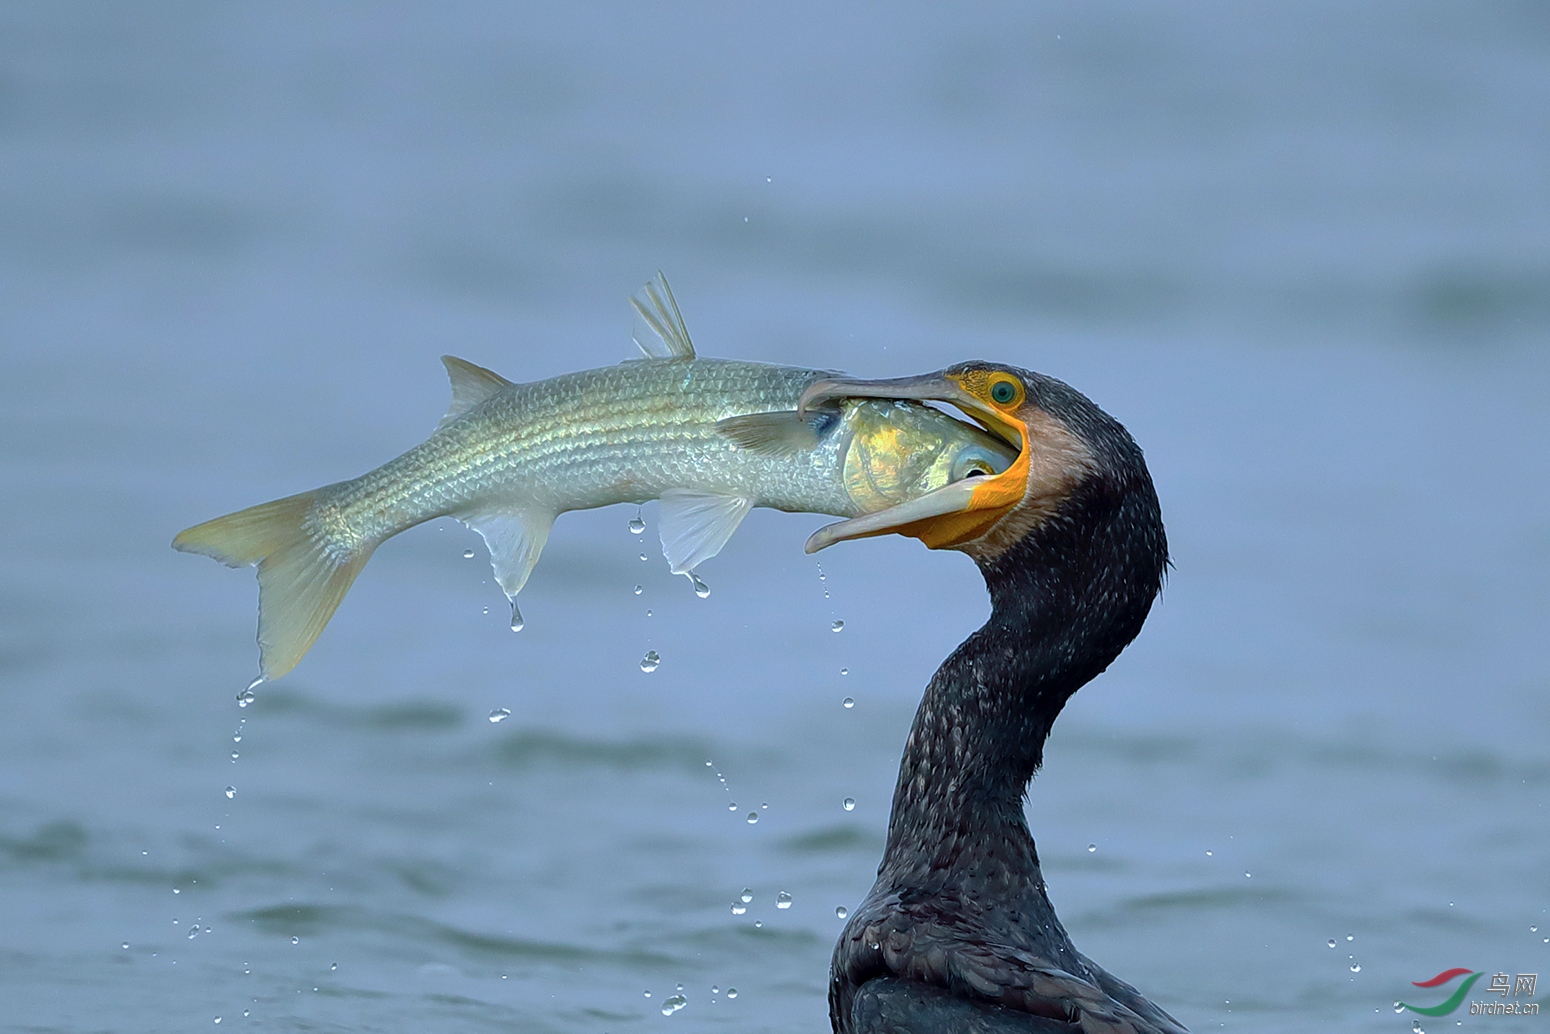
(1004, 391)
(973, 463)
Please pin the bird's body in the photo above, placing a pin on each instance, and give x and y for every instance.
(958, 934)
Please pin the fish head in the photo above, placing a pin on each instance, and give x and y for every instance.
(1017, 407)
(896, 450)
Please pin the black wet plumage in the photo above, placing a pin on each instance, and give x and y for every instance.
(958, 933)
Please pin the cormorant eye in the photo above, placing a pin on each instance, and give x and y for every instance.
(1003, 392)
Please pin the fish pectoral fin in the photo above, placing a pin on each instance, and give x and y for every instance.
(659, 326)
(781, 433)
(695, 525)
(514, 539)
(471, 385)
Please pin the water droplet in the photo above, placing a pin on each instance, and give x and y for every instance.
(295, 940)
(838, 626)
(639, 590)
(1208, 854)
(500, 714)
(844, 671)
(647, 993)
(715, 989)
(244, 1013)
(732, 806)
(1331, 942)
(700, 588)
(126, 945)
(637, 525)
(1416, 1028)
(849, 702)
(1350, 936)
(648, 613)
(783, 900)
(516, 618)
(753, 817)
(236, 737)
(193, 932)
(673, 1004)
(1356, 967)
(738, 908)
(484, 610)
(217, 1019)
(849, 804)
(247, 696)
(650, 662)
(333, 967)
(746, 896)
(643, 558)
(235, 755)
(1248, 876)
(1533, 929)
(231, 791)
(468, 554)
(731, 992)
(176, 890)
(758, 924)
(841, 912)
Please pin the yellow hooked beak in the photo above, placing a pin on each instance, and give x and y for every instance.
(953, 514)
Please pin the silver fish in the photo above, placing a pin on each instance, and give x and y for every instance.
(709, 438)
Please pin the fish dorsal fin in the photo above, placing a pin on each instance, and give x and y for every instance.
(695, 525)
(659, 326)
(514, 539)
(471, 385)
(781, 433)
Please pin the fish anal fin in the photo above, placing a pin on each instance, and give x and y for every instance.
(781, 433)
(659, 326)
(514, 538)
(471, 385)
(695, 525)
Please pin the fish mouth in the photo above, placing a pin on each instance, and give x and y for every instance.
(954, 514)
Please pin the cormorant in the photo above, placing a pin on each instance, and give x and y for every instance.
(957, 934)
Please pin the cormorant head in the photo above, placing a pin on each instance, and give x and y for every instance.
(1065, 444)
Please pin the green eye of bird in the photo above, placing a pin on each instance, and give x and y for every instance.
(1003, 392)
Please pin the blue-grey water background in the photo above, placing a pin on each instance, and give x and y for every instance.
(1302, 251)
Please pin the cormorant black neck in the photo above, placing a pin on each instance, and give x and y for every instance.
(1066, 599)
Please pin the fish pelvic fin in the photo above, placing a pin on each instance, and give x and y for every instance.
(303, 571)
(471, 385)
(695, 525)
(659, 326)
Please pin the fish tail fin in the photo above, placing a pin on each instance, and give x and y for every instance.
(303, 573)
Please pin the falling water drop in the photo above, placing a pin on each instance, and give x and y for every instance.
(841, 912)
(126, 945)
(849, 702)
(1416, 1028)
(468, 554)
(844, 671)
(637, 525)
(738, 908)
(838, 626)
(1091, 848)
(650, 662)
(643, 558)
(746, 896)
(732, 806)
(639, 590)
(234, 757)
(516, 618)
(247, 696)
(1356, 967)
(500, 714)
(849, 804)
(731, 992)
(1331, 942)
(333, 967)
(783, 900)
(673, 1004)
(231, 791)
(700, 588)
(753, 817)
(295, 940)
